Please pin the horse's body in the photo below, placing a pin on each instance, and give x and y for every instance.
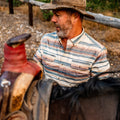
(103, 107)
(94, 100)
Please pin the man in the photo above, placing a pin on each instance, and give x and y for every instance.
(70, 56)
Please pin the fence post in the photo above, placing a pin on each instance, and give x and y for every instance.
(11, 11)
(30, 14)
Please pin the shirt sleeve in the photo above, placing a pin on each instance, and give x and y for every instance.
(101, 64)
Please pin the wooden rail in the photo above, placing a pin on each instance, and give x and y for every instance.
(99, 18)
(106, 20)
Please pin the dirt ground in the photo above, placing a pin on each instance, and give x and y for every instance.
(17, 23)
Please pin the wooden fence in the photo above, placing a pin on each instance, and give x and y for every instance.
(99, 18)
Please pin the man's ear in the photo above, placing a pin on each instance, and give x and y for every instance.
(75, 16)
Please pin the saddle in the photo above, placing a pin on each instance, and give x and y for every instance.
(17, 73)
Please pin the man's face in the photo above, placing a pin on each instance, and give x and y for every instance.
(62, 21)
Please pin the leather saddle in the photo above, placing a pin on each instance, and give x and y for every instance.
(17, 73)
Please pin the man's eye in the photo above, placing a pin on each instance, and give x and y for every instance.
(57, 15)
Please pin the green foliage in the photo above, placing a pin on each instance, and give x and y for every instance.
(16, 3)
(101, 5)
(47, 14)
(46, 1)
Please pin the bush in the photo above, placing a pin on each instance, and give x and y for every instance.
(47, 14)
(101, 5)
(46, 1)
(16, 3)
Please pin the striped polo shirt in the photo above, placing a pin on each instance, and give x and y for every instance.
(83, 57)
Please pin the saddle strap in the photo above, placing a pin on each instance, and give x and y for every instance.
(4, 102)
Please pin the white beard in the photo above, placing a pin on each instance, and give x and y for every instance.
(65, 30)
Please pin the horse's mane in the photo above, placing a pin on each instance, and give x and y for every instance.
(94, 87)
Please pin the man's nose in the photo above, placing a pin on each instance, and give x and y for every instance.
(54, 19)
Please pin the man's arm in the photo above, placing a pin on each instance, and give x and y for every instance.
(101, 64)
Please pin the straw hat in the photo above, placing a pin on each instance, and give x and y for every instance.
(78, 5)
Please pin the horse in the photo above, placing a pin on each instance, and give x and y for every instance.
(92, 100)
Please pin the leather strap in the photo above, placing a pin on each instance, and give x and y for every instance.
(4, 102)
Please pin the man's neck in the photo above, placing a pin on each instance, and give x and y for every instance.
(72, 35)
(64, 43)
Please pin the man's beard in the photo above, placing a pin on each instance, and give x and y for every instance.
(64, 29)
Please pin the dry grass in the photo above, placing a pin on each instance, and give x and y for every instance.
(4, 8)
(36, 11)
(103, 32)
(113, 35)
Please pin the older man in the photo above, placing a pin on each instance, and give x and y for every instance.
(69, 55)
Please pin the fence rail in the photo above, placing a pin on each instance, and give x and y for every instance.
(106, 20)
(99, 18)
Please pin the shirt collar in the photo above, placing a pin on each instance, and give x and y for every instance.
(75, 40)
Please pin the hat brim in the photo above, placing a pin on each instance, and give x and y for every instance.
(50, 6)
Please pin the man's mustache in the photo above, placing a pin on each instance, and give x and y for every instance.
(57, 25)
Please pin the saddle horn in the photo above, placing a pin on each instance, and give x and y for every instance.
(15, 41)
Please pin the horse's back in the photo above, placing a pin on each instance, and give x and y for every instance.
(102, 107)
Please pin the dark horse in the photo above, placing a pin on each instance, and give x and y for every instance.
(92, 100)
